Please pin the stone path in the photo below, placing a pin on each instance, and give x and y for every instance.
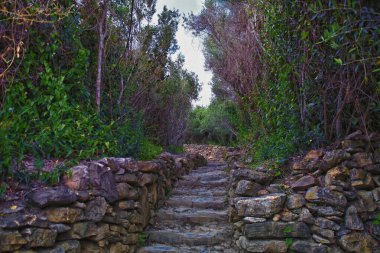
(194, 218)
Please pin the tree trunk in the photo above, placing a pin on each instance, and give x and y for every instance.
(102, 33)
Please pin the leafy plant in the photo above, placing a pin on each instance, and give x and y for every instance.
(3, 190)
(377, 219)
(142, 238)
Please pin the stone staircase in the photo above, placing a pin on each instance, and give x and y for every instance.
(194, 218)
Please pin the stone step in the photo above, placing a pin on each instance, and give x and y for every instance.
(210, 169)
(175, 237)
(207, 176)
(161, 248)
(190, 216)
(216, 164)
(191, 183)
(197, 202)
(200, 191)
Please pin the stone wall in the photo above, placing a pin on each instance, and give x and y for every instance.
(328, 203)
(103, 207)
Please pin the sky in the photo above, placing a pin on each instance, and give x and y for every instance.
(190, 46)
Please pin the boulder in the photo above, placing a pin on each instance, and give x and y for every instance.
(363, 159)
(273, 229)
(79, 179)
(357, 242)
(324, 210)
(96, 209)
(262, 207)
(262, 246)
(313, 154)
(326, 196)
(148, 166)
(374, 169)
(17, 220)
(11, 240)
(352, 219)
(365, 199)
(247, 188)
(253, 175)
(147, 179)
(39, 237)
(326, 224)
(361, 180)
(334, 157)
(64, 214)
(306, 216)
(308, 247)
(295, 201)
(335, 174)
(304, 183)
(126, 191)
(53, 196)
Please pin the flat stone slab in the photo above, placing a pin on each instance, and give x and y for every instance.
(192, 216)
(158, 249)
(197, 202)
(194, 182)
(262, 246)
(262, 207)
(200, 192)
(273, 229)
(173, 237)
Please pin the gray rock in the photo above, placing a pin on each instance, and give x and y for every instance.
(352, 220)
(17, 220)
(336, 174)
(326, 196)
(327, 233)
(57, 196)
(262, 207)
(11, 240)
(363, 159)
(273, 229)
(321, 240)
(295, 201)
(366, 199)
(334, 157)
(253, 220)
(306, 216)
(304, 183)
(361, 180)
(324, 210)
(327, 224)
(247, 188)
(96, 209)
(253, 175)
(39, 237)
(308, 247)
(357, 242)
(374, 169)
(262, 246)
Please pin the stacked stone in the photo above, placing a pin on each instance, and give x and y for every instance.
(103, 207)
(329, 204)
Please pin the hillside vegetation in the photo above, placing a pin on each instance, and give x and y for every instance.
(83, 79)
(288, 74)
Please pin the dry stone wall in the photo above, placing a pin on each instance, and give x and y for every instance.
(330, 203)
(103, 207)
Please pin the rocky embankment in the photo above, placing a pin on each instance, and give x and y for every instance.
(329, 204)
(103, 207)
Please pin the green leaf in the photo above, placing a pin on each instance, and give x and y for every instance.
(338, 61)
(304, 35)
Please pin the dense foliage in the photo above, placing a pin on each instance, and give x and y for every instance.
(82, 79)
(299, 73)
